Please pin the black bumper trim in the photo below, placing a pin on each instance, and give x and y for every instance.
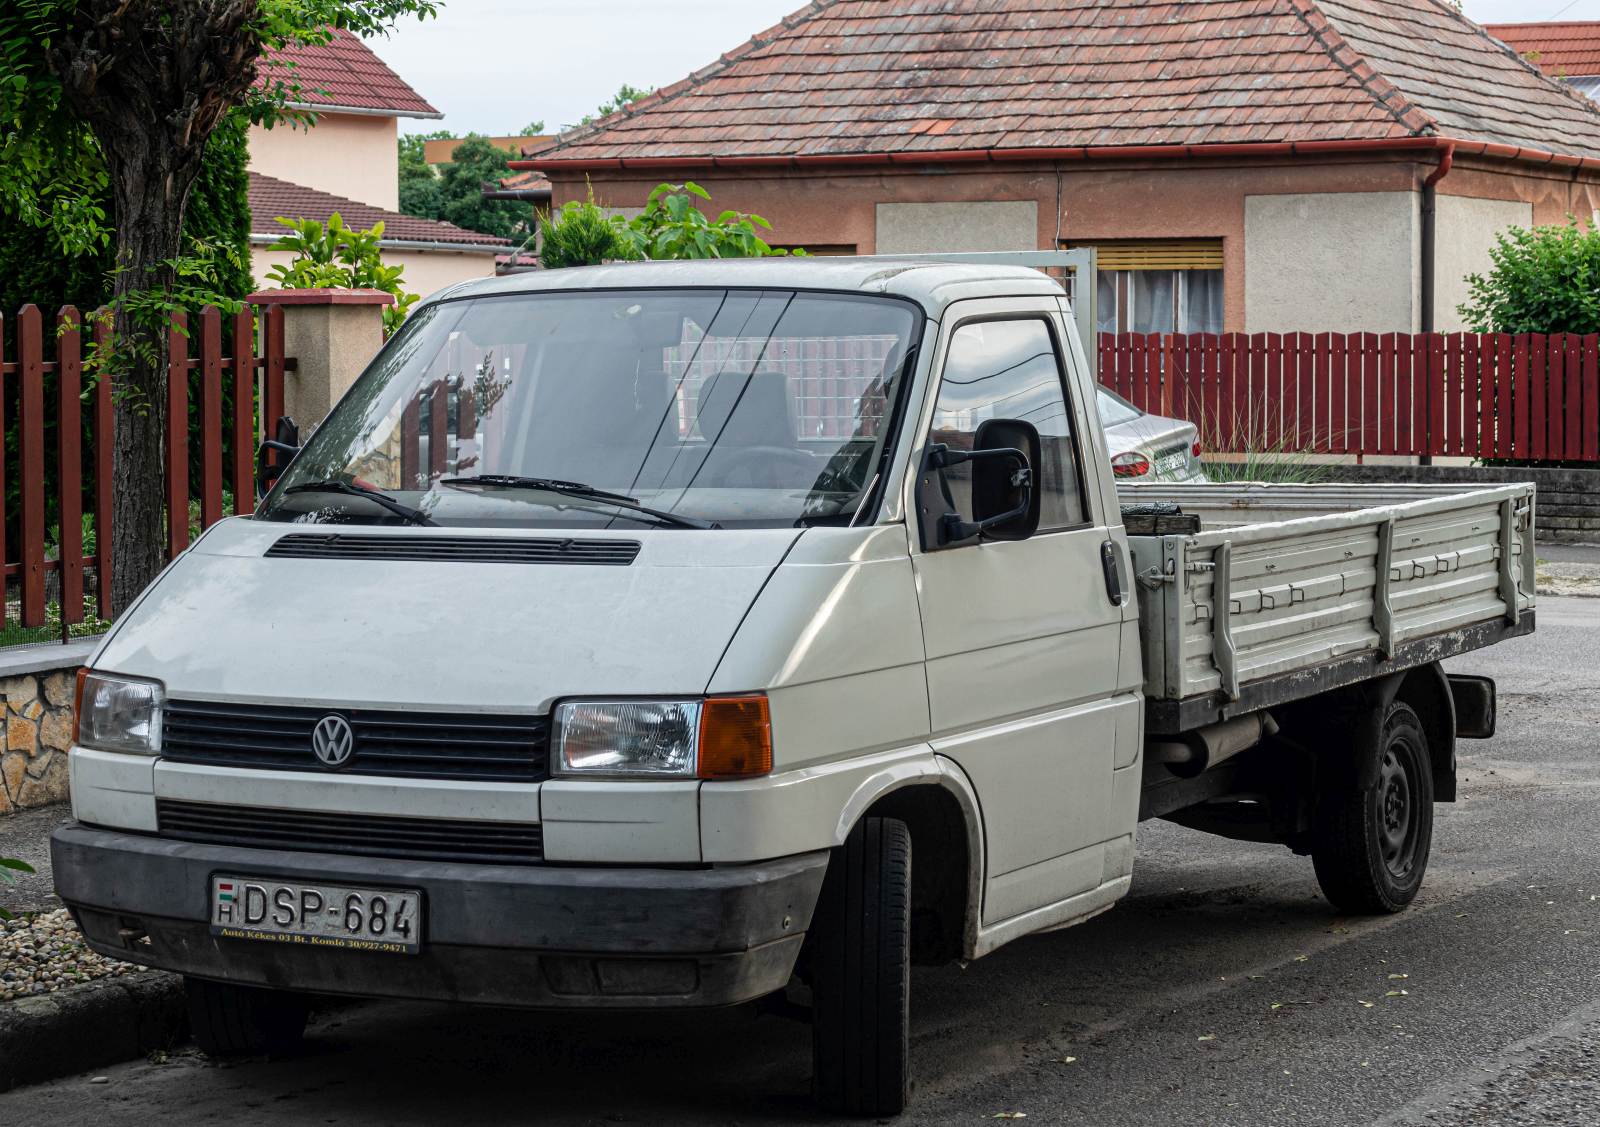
(499, 934)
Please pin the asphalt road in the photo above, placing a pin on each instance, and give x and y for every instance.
(1222, 991)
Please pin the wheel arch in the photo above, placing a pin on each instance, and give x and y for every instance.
(1427, 690)
(936, 800)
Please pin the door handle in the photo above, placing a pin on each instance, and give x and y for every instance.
(1113, 572)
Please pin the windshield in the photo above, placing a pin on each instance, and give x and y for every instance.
(739, 408)
(1114, 409)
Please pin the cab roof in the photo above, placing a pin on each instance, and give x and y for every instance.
(931, 284)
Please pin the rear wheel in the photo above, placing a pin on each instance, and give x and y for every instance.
(232, 1021)
(861, 973)
(1373, 842)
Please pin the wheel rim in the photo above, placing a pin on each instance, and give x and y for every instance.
(1398, 827)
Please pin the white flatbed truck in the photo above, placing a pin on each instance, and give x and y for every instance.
(688, 635)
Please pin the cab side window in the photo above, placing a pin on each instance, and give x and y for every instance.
(1009, 370)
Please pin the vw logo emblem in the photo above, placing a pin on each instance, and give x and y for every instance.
(333, 741)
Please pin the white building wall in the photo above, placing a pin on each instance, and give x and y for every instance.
(351, 155)
(1333, 262)
(1465, 233)
(922, 228)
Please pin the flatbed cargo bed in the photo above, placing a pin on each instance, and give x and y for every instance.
(1286, 591)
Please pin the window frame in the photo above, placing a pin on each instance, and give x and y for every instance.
(1049, 316)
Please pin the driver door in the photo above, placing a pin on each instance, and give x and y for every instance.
(1023, 637)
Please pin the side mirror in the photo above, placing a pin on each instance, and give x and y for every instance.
(286, 442)
(1005, 500)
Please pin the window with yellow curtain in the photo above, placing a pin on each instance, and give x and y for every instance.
(1159, 286)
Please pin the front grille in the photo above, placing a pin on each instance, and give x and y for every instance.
(422, 839)
(419, 745)
(455, 549)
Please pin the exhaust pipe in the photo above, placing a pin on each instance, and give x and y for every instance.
(1196, 752)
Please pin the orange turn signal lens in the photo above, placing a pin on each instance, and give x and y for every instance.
(735, 738)
(77, 701)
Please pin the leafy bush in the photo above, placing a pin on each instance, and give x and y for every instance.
(333, 256)
(670, 227)
(1546, 280)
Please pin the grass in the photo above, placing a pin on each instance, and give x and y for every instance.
(1254, 458)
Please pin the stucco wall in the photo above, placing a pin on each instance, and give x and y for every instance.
(350, 155)
(426, 272)
(918, 228)
(1332, 262)
(1465, 234)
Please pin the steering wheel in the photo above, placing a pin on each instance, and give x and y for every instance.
(762, 467)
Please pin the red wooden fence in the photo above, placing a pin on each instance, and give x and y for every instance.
(44, 388)
(1489, 395)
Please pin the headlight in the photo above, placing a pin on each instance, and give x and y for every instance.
(719, 738)
(627, 737)
(119, 713)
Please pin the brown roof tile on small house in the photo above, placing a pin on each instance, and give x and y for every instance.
(994, 79)
(1562, 49)
(271, 198)
(343, 73)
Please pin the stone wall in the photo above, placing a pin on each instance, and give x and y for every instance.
(38, 732)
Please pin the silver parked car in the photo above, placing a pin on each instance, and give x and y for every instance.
(1146, 447)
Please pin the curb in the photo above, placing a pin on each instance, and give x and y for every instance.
(82, 1027)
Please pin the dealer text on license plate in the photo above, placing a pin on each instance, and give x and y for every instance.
(317, 915)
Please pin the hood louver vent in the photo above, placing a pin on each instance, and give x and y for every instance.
(462, 549)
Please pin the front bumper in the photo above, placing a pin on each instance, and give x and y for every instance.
(538, 936)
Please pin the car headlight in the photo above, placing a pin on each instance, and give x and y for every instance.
(119, 713)
(715, 738)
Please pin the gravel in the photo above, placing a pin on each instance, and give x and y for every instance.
(45, 952)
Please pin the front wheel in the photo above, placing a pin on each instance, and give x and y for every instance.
(232, 1021)
(861, 974)
(1373, 842)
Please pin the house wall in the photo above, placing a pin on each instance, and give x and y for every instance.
(426, 272)
(1466, 234)
(350, 155)
(866, 209)
(1321, 262)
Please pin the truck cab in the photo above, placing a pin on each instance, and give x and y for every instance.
(675, 635)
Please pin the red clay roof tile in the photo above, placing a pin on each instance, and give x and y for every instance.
(271, 198)
(1568, 49)
(867, 77)
(343, 72)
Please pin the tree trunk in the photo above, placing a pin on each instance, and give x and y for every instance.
(149, 235)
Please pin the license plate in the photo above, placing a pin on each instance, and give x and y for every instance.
(385, 920)
(1172, 463)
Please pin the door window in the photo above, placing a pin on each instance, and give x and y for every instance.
(1011, 370)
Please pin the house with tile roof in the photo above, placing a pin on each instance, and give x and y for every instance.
(1566, 50)
(1256, 165)
(347, 162)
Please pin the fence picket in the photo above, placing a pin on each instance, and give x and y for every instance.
(1591, 398)
(1504, 413)
(1521, 392)
(210, 416)
(244, 411)
(69, 460)
(1572, 397)
(30, 421)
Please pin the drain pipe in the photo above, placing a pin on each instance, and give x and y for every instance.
(1430, 232)
(1430, 243)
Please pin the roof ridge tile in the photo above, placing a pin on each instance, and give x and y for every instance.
(1344, 54)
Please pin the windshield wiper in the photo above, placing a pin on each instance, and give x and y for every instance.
(382, 500)
(578, 489)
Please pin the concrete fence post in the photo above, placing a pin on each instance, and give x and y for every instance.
(332, 334)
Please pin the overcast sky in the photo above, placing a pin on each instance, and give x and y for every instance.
(495, 65)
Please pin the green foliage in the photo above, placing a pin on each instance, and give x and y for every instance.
(9, 866)
(474, 163)
(582, 234)
(532, 129)
(1546, 280)
(626, 95)
(334, 256)
(670, 227)
(419, 183)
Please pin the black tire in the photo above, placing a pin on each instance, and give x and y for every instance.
(861, 974)
(1373, 841)
(236, 1021)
